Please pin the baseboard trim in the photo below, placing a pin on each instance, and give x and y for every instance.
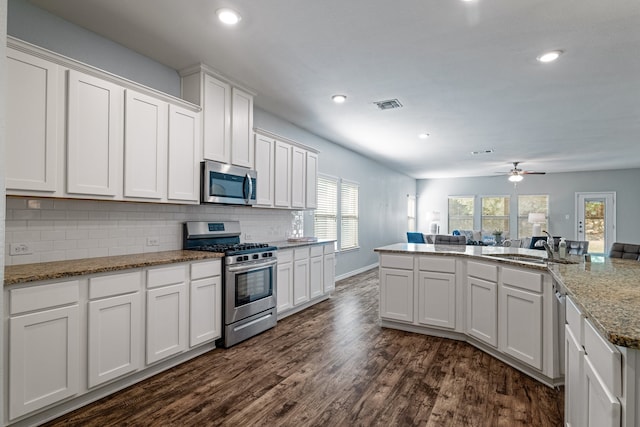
(354, 272)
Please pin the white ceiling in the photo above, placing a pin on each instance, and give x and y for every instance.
(465, 72)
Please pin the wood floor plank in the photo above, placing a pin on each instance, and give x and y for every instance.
(333, 365)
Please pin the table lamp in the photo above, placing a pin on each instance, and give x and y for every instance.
(536, 218)
(434, 228)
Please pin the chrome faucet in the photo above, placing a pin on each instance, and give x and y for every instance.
(548, 249)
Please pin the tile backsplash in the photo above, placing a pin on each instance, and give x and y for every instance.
(64, 229)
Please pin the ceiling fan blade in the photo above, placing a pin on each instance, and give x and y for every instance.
(532, 173)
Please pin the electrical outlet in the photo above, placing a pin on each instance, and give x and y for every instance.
(20, 249)
(153, 241)
(247, 237)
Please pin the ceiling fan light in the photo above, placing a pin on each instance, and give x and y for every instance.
(515, 178)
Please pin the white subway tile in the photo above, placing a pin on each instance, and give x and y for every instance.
(79, 215)
(52, 235)
(98, 215)
(24, 259)
(98, 234)
(115, 251)
(26, 236)
(77, 253)
(53, 214)
(62, 245)
(16, 203)
(42, 246)
(53, 256)
(88, 243)
(15, 225)
(27, 214)
(98, 252)
(76, 234)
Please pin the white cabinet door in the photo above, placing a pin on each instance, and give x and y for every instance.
(31, 125)
(312, 181)
(316, 270)
(300, 281)
(184, 149)
(43, 359)
(166, 321)
(205, 310)
(396, 294)
(264, 165)
(241, 128)
(94, 135)
(329, 276)
(285, 285)
(482, 310)
(282, 180)
(437, 299)
(520, 314)
(216, 117)
(574, 397)
(145, 146)
(114, 337)
(298, 186)
(602, 407)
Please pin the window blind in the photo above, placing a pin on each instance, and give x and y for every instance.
(349, 215)
(326, 214)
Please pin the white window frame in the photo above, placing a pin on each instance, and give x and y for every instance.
(329, 214)
(353, 213)
(411, 213)
(545, 226)
(507, 217)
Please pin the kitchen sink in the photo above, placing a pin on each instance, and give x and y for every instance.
(531, 259)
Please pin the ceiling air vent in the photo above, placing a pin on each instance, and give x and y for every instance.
(388, 104)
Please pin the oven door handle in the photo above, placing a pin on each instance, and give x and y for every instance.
(249, 267)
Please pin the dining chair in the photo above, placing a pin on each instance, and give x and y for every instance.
(414, 237)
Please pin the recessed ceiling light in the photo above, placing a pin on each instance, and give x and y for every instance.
(228, 16)
(339, 99)
(424, 135)
(550, 56)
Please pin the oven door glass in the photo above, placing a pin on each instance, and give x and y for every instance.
(253, 285)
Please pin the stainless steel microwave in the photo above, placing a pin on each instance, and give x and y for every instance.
(226, 184)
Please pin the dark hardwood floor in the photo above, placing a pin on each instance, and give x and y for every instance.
(333, 365)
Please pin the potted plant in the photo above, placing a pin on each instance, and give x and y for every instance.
(498, 235)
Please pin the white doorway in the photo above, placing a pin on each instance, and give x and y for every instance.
(596, 220)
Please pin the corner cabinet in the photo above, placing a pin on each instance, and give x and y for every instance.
(287, 172)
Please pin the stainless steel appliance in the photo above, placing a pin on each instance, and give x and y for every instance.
(249, 277)
(226, 184)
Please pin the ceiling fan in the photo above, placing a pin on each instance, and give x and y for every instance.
(516, 174)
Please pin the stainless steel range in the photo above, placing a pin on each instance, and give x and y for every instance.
(249, 277)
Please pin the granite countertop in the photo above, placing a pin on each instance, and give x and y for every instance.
(606, 290)
(287, 244)
(16, 274)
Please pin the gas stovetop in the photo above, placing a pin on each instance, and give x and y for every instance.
(235, 248)
(223, 237)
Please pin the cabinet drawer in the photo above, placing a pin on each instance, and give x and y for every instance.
(329, 249)
(440, 264)
(482, 271)
(166, 276)
(301, 253)
(112, 285)
(44, 296)
(397, 261)
(522, 279)
(317, 250)
(285, 256)
(575, 321)
(200, 270)
(606, 359)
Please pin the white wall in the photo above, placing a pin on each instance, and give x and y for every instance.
(561, 188)
(34, 25)
(3, 44)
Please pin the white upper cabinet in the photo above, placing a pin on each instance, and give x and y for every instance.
(282, 161)
(32, 118)
(216, 112)
(312, 180)
(184, 155)
(241, 128)
(298, 168)
(145, 146)
(264, 165)
(94, 135)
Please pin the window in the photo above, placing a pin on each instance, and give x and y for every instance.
(531, 204)
(461, 213)
(495, 214)
(326, 214)
(411, 213)
(348, 215)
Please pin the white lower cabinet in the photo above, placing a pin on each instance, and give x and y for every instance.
(114, 311)
(602, 407)
(205, 310)
(301, 276)
(316, 270)
(284, 275)
(329, 266)
(573, 380)
(166, 312)
(482, 310)
(44, 346)
(396, 287)
(437, 292)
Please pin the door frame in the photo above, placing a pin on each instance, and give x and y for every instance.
(610, 213)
